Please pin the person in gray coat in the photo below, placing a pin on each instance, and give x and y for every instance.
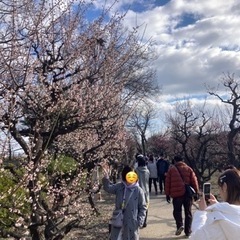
(135, 207)
(143, 179)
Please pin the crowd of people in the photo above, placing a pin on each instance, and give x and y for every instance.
(213, 220)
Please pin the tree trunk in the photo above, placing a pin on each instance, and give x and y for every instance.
(230, 144)
(34, 228)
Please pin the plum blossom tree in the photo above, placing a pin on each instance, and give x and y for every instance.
(159, 143)
(65, 88)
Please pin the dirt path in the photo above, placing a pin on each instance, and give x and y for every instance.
(161, 224)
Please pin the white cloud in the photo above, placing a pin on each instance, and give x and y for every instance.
(192, 55)
(196, 54)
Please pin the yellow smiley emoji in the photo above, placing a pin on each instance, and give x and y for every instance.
(131, 177)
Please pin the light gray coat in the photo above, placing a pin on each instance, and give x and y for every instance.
(143, 178)
(135, 211)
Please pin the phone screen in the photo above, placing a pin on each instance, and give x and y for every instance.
(207, 190)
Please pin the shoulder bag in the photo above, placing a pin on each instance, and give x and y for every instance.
(117, 216)
(189, 191)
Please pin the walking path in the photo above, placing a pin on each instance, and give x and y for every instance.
(160, 223)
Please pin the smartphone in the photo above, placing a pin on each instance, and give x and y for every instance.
(207, 190)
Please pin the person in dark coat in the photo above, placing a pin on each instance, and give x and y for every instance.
(177, 175)
(135, 207)
(162, 168)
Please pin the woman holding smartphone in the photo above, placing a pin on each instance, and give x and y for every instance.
(220, 220)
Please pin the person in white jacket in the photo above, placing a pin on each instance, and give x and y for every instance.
(153, 177)
(220, 220)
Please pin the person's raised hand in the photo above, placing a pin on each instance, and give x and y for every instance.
(105, 169)
(202, 202)
(212, 200)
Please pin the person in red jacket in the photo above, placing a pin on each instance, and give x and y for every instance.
(179, 174)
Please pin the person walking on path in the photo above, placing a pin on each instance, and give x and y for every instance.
(177, 175)
(220, 221)
(134, 211)
(152, 167)
(143, 179)
(162, 168)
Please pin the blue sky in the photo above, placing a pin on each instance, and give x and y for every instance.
(196, 42)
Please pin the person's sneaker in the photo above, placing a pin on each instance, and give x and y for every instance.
(187, 235)
(179, 231)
